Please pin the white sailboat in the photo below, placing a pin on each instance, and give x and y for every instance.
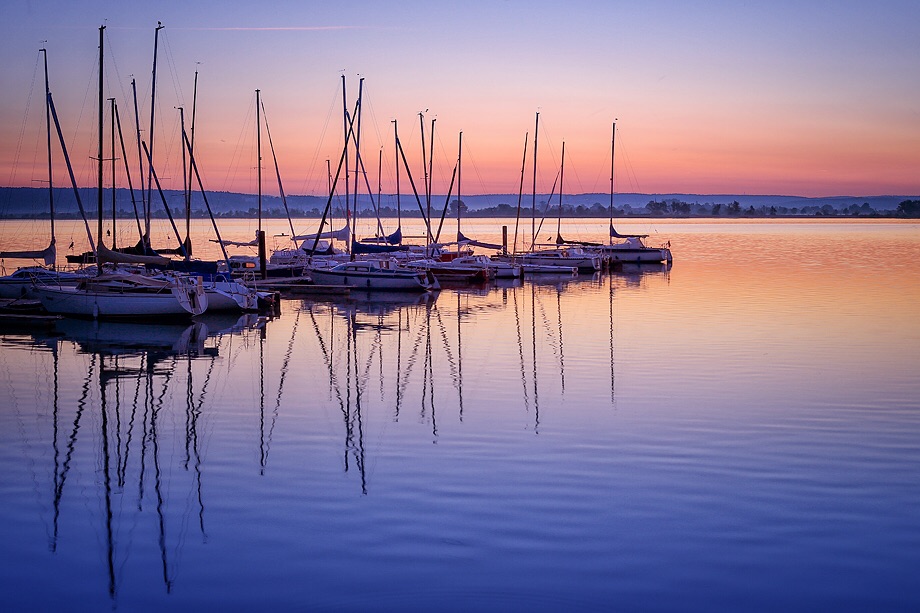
(631, 248)
(126, 296)
(223, 292)
(19, 283)
(563, 254)
(373, 275)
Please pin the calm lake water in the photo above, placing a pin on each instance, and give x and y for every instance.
(738, 432)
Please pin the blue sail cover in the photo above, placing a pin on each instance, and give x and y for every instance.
(357, 247)
(395, 238)
(197, 267)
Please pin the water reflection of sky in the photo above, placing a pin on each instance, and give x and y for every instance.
(739, 430)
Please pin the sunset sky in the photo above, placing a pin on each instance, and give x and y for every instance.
(806, 98)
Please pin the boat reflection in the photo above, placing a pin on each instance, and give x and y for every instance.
(124, 338)
(633, 273)
(376, 302)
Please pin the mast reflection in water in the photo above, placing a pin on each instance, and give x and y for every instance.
(112, 425)
(137, 409)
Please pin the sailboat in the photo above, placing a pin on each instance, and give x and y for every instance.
(258, 267)
(383, 274)
(373, 275)
(562, 255)
(456, 265)
(119, 294)
(19, 284)
(632, 248)
(224, 293)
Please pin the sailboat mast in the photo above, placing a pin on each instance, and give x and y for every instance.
(459, 202)
(396, 157)
(259, 157)
(99, 149)
(191, 148)
(421, 123)
(430, 173)
(188, 238)
(346, 123)
(114, 204)
(359, 163)
(186, 190)
(517, 218)
(48, 136)
(263, 271)
(379, 183)
(153, 106)
(559, 218)
(357, 138)
(145, 200)
(533, 201)
(613, 140)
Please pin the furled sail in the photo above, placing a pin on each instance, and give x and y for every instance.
(339, 235)
(48, 254)
(462, 239)
(116, 257)
(357, 247)
(396, 237)
(229, 243)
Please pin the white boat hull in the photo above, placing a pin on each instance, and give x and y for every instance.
(372, 280)
(649, 255)
(182, 299)
(230, 296)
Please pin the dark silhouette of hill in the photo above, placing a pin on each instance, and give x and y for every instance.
(28, 202)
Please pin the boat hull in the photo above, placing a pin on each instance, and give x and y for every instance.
(648, 255)
(20, 283)
(178, 302)
(230, 296)
(380, 280)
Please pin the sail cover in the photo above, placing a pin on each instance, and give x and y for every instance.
(357, 247)
(396, 237)
(475, 243)
(339, 235)
(48, 254)
(116, 257)
(229, 243)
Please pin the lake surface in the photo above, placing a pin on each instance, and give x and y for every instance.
(740, 431)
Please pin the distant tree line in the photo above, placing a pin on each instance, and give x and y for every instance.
(654, 208)
(908, 208)
(677, 208)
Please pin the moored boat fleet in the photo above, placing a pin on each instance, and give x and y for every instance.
(147, 292)
(141, 282)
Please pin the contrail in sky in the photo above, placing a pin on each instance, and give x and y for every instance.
(270, 28)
